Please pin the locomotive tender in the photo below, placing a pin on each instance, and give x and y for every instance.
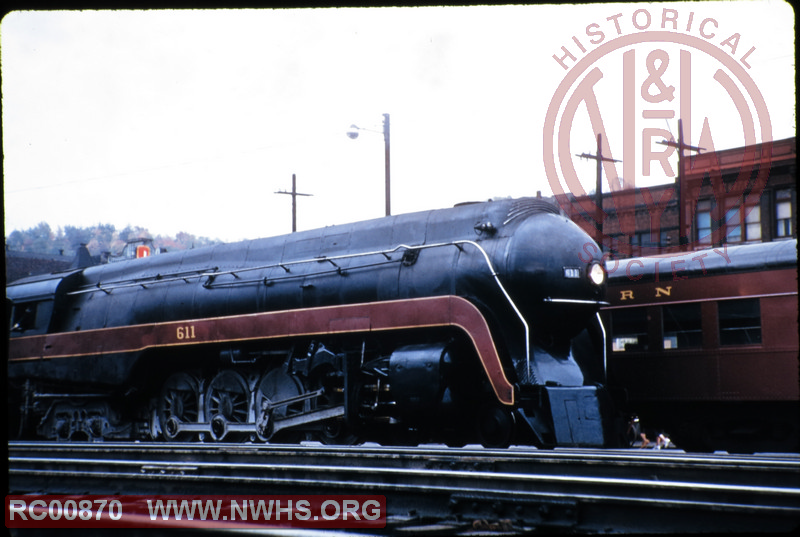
(457, 325)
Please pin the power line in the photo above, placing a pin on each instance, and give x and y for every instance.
(158, 167)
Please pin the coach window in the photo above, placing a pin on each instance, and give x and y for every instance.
(629, 330)
(704, 222)
(682, 328)
(783, 213)
(739, 322)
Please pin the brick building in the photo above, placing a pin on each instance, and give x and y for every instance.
(644, 221)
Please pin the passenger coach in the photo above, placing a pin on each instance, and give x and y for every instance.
(705, 345)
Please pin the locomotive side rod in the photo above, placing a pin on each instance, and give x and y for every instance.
(265, 426)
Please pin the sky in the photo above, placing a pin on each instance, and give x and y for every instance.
(192, 120)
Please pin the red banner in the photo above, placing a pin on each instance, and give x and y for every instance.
(228, 511)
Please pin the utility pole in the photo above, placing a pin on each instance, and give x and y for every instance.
(388, 168)
(683, 240)
(294, 193)
(598, 193)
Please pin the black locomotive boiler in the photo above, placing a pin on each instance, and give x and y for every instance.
(457, 325)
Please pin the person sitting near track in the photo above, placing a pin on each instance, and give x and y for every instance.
(635, 429)
(662, 441)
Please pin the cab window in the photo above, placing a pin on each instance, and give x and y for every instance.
(30, 318)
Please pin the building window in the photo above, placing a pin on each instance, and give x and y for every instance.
(740, 322)
(742, 227)
(783, 213)
(646, 240)
(703, 222)
(629, 330)
(752, 223)
(620, 245)
(682, 328)
(733, 225)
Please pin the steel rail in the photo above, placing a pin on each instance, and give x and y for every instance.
(540, 488)
(428, 473)
(515, 452)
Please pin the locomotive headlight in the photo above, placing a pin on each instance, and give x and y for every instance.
(596, 273)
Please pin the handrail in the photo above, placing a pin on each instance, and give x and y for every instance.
(214, 273)
(605, 348)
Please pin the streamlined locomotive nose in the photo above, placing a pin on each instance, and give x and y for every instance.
(555, 272)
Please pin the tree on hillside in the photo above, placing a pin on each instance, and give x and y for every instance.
(16, 241)
(98, 239)
(102, 238)
(75, 236)
(42, 238)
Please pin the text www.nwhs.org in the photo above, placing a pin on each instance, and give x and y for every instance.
(61, 511)
(264, 510)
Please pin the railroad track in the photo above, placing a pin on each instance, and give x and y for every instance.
(450, 491)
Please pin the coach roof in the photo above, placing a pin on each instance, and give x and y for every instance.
(721, 260)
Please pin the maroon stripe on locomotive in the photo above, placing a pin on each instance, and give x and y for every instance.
(369, 317)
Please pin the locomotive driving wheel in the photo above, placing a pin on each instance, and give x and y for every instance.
(496, 427)
(227, 401)
(277, 385)
(178, 403)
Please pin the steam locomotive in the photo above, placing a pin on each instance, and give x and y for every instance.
(473, 324)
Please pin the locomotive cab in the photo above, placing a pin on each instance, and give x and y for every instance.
(35, 300)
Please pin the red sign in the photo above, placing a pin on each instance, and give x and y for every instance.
(228, 511)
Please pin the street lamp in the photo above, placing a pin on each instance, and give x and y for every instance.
(352, 133)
